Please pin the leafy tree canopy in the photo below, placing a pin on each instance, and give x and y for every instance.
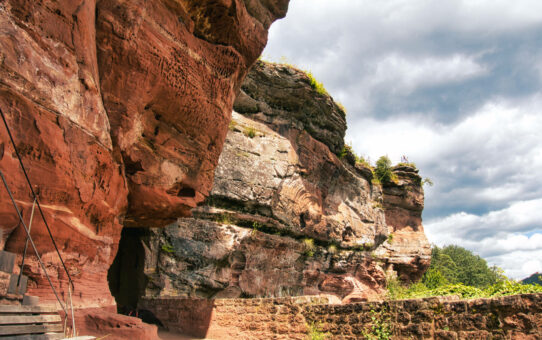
(455, 264)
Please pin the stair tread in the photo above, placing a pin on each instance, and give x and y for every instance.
(17, 309)
(31, 329)
(29, 319)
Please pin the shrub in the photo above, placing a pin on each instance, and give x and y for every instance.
(427, 181)
(383, 170)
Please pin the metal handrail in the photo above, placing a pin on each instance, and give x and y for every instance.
(71, 285)
(26, 243)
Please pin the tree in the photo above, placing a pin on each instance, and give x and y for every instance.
(383, 170)
(458, 265)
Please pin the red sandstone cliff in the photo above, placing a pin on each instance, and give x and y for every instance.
(120, 110)
(286, 215)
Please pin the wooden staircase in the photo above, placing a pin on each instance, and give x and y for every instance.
(20, 315)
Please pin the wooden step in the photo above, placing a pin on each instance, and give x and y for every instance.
(46, 336)
(30, 329)
(14, 309)
(28, 319)
(27, 322)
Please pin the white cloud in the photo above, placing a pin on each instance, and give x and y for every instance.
(397, 73)
(496, 148)
(473, 228)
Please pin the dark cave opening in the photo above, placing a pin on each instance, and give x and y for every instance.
(126, 276)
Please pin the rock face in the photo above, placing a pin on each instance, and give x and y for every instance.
(286, 215)
(119, 110)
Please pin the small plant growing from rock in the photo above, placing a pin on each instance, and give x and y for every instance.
(427, 181)
(309, 246)
(224, 219)
(315, 333)
(255, 227)
(332, 249)
(232, 125)
(316, 85)
(390, 238)
(168, 248)
(377, 205)
(250, 132)
(341, 106)
(380, 327)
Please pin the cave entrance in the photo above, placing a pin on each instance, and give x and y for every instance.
(126, 276)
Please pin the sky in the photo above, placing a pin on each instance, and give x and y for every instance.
(453, 85)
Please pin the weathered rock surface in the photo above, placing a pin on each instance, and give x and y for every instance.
(407, 248)
(286, 216)
(281, 96)
(119, 108)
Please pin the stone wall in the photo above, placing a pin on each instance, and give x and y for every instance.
(510, 317)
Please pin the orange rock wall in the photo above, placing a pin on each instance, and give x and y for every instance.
(119, 110)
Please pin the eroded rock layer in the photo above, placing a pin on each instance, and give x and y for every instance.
(286, 215)
(119, 110)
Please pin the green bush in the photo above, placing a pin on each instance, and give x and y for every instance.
(457, 271)
(383, 170)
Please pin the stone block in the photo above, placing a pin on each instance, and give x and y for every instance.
(7, 261)
(4, 283)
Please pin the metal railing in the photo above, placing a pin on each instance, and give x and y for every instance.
(28, 230)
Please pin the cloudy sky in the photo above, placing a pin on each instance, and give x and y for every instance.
(456, 86)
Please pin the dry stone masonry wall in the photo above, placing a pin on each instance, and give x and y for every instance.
(511, 317)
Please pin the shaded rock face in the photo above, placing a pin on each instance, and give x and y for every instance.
(286, 216)
(119, 110)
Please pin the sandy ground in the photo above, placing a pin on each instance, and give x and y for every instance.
(165, 335)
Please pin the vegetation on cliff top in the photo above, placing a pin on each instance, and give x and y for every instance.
(457, 271)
